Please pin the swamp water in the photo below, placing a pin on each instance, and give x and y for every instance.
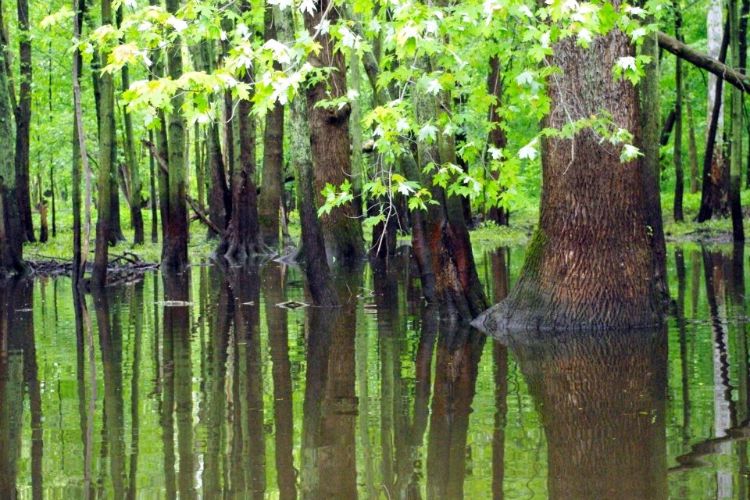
(222, 384)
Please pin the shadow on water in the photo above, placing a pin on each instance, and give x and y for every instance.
(225, 383)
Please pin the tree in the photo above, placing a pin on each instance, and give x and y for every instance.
(11, 233)
(23, 120)
(271, 190)
(106, 166)
(591, 262)
(329, 135)
(679, 176)
(174, 250)
(735, 159)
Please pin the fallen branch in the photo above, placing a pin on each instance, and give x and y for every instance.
(701, 60)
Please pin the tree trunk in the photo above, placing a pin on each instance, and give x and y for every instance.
(313, 245)
(106, 167)
(241, 240)
(497, 138)
(679, 186)
(11, 232)
(714, 195)
(735, 160)
(174, 254)
(23, 121)
(133, 168)
(692, 149)
(591, 263)
(272, 186)
(331, 146)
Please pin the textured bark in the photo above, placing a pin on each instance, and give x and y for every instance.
(591, 262)
(313, 244)
(331, 146)
(23, 120)
(692, 150)
(11, 233)
(272, 187)
(174, 249)
(602, 401)
(106, 166)
(497, 138)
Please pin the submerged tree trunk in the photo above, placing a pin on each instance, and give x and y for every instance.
(331, 145)
(269, 203)
(241, 240)
(23, 121)
(11, 232)
(591, 262)
(174, 249)
(106, 167)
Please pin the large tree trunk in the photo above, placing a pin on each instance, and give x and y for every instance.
(106, 167)
(23, 121)
(11, 232)
(591, 263)
(174, 250)
(601, 398)
(331, 146)
(735, 160)
(271, 191)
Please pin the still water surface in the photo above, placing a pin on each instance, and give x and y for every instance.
(217, 385)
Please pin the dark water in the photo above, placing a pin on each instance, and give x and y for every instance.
(204, 386)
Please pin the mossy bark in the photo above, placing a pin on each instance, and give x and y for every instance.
(591, 263)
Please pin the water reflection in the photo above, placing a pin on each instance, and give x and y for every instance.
(200, 385)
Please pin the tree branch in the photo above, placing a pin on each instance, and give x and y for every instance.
(701, 60)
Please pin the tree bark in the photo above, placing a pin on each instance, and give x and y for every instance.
(106, 167)
(331, 146)
(174, 250)
(23, 120)
(11, 232)
(692, 149)
(269, 203)
(591, 263)
(241, 240)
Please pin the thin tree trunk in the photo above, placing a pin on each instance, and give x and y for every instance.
(692, 149)
(497, 137)
(714, 193)
(174, 256)
(133, 168)
(106, 146)
(80, 258)
(735, 160)
(331, 145)
(679, 187)
(23, 120)
(152, 192)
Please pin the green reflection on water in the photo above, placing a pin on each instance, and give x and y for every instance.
(202, 386)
